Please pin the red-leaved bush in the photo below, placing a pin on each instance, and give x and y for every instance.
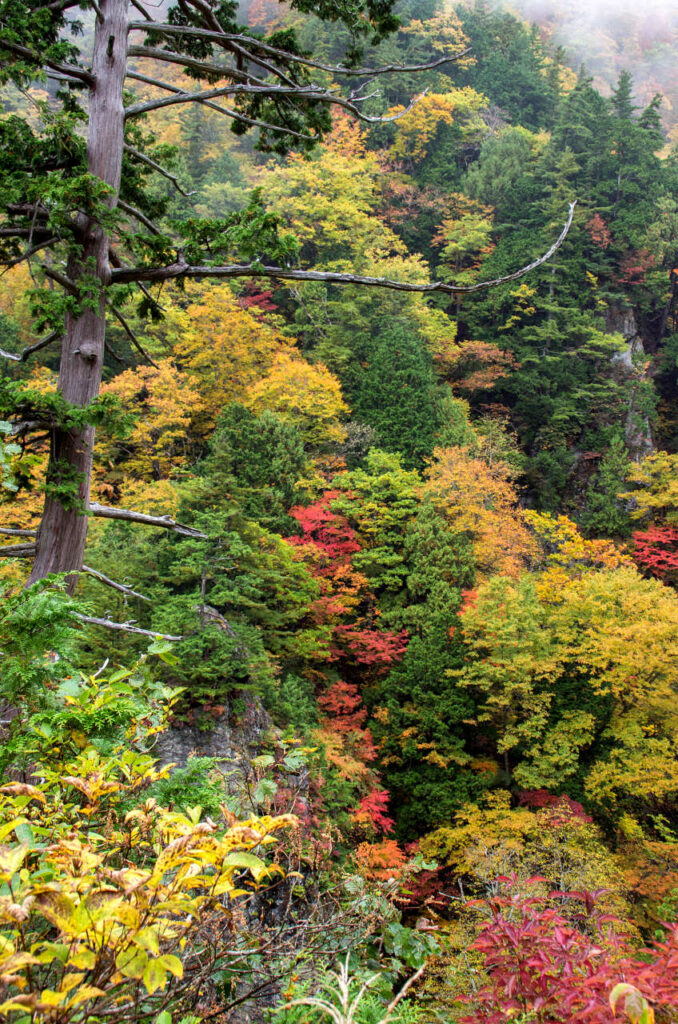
(656, 551)
(562, 972)
(373, 808)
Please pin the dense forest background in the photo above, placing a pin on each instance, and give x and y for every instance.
(433, 542)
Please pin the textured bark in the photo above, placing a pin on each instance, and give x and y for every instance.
(63, 530)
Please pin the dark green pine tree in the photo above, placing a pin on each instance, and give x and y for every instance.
(258, 460)
(398, 395)
(423, 733)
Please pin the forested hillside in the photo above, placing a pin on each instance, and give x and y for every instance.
(361, 703)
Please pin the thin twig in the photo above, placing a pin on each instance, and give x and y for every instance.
(141, 217)
(29, 252)
(130, 333)
(157, 167)
(95, 574)
(125, 627)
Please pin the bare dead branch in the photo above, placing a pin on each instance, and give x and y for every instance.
(29, 252)
(95, 574)
(311, 93)
(183, 269)
(65, 69)
(141, 217)
(164, 522)
(21, 357)
(235, 114)
(17, 533)
(17, 550)
(130, 333)
(242, 42)
(157, 167)
(125, 627)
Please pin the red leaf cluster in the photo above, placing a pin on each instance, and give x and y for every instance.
(373, 808)
(599, 232)
(328, 532)
(565, 807)
(558, 971)
(656, 550)
(343, 704)
(370, 646)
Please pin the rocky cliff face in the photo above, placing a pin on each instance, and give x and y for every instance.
(236, 736)
(630, 366)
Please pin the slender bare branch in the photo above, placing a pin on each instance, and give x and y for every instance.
(21, 357)
(60, 278)
(187, 63)
(235, 114)
(183, 269)
(17, 533)
(130, 333)
(125, 627)
(111, 351)
(142, 10)
(95, 574)
(164, 522)
(66, 69)
(157, 167)
(241, 42)
(29, 252)
(141, 217)
(17, 550)
(312, 94)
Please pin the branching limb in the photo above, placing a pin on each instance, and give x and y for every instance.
(235, 114)
(157, 167)
(164, 522)
(65, 69)
(141, 217)
(125, 627)
(22, 356)
(313, 94)
(183, 269)
(243, 42)
(121, 587)
(58, 278)
(29, 252)
(17, 550)
(130, 334)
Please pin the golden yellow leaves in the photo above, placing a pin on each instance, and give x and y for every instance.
(478, 499)
(110, 901)
(307, 395)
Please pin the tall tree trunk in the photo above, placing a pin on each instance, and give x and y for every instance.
(63, 529)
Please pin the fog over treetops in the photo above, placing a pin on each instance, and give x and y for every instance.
(610, 35)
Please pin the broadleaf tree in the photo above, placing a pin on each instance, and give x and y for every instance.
(75, 201)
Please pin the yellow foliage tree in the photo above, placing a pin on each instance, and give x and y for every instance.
(163, 400)
(417, 129)
(478, 499)
(304, 394)
(655, 494)
(222, 347)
